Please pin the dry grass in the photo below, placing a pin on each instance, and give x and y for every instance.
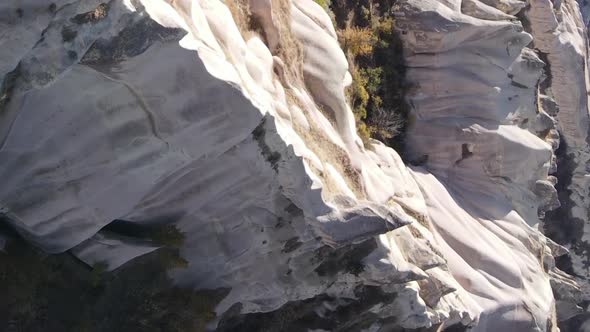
(100, 12)
(358, 41)
(386, 124)
(327, 151)
(289, 48)
(291, 53)
(420, 218)
(290, 74)
(415, 232)
(240, 11)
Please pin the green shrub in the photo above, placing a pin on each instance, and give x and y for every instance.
(358, 41)
(360, 96)
(385, 124)
(375, 54)
(372, 79)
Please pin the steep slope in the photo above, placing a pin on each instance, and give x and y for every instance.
(108, 118)
(230, 121)
(483, 111)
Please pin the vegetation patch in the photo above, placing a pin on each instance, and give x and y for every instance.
(247, 23)
(93, 16)
(289, 49)
(319, 143)
(374, 50)
(43, 292)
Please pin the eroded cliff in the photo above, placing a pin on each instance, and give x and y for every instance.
(230, 121)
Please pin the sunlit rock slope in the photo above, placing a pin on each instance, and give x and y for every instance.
(494, 93)
(230, 121)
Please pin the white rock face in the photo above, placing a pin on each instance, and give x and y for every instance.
(481, 124)
(109, 118)
(560, 32)
(245, 141)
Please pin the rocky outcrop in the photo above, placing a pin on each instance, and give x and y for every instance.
(108, 118)
(491, 89)
(230, 121)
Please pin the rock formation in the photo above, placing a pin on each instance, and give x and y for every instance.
(229, 119)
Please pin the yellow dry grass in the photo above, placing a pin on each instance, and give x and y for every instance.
(290, 73)
(240, 11)
(289, 49)
(358, 41)
(328, 152)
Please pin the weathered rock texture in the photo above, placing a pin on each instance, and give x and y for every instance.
(229, 119)
(491, 90)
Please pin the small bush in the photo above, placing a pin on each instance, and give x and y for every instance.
(358, 41)
(360, 96)
(363, 132)
(375, 55)
(93, 16)
(372, 79)
(385, 124)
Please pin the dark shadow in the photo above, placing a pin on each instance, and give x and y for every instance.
(57, 292)
(349, 314)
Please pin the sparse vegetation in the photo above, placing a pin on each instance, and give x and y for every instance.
(366, 32)
(374, 51)
(42, 292)
(358, 41)
(247, 23)
(93, 16)
(323, 3)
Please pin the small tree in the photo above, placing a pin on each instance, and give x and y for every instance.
(358, 41)
(386, 124)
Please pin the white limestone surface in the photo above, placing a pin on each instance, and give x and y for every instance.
(560, 33)
(108, 118)
(476, 97)
(246, 143)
